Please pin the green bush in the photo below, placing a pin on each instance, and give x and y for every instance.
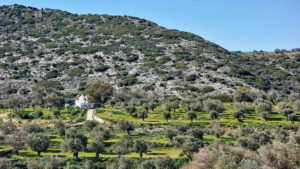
(101, 68)
(191, 77)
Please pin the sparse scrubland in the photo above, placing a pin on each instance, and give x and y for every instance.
(169, 99)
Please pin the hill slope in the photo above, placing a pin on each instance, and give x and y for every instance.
(66, 51)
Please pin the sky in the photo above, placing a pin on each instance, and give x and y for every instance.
(237, 25)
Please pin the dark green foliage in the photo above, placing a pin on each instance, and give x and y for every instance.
(130, 109)
(191, 77)
(167, 115)
(197, 133)
(101, 68)
(292, 117)
(207, 89)
(100, 92)
(76, 72)
(191, 115)
(132, 58)
(213, 114)
(52, 74)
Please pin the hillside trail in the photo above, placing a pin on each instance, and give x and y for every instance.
(92, 116)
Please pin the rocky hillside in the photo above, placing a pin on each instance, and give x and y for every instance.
(67, 52)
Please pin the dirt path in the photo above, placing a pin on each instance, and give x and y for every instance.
(92, 116)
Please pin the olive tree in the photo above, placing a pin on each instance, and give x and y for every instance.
(97, 146)
(141, 147)
(52, 162)
(38, 142)
(142, 114)
(191, 115)
(240, 109)
(100, 92)
(197, 133)
(165, 162)
(90, 124)
(60, 127)
(213, 114)
(100, 131)
(285, 109)
(167, 115)
(263, 108)
(190, 147)
(170, 133)
(16, 141)
(122, 147)
(7, 127)
(32, 128)
(149, 164)
(131, 110)
(212, 104)
(125, 125)
(75, 141)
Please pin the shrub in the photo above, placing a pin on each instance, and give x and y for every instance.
(190, 147)
(297, 105)
(191, 77)
(242, 95)
(101, 68)
(76, 72)
(170, 133)
(197, 133)
(207, 89)
(285, 109)
(100, 92)
(191, 115)
(215, 105)
(35, 164)
(32, 128)
(52, 74)
(213, 114)
(5, 163)
(164, 163)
